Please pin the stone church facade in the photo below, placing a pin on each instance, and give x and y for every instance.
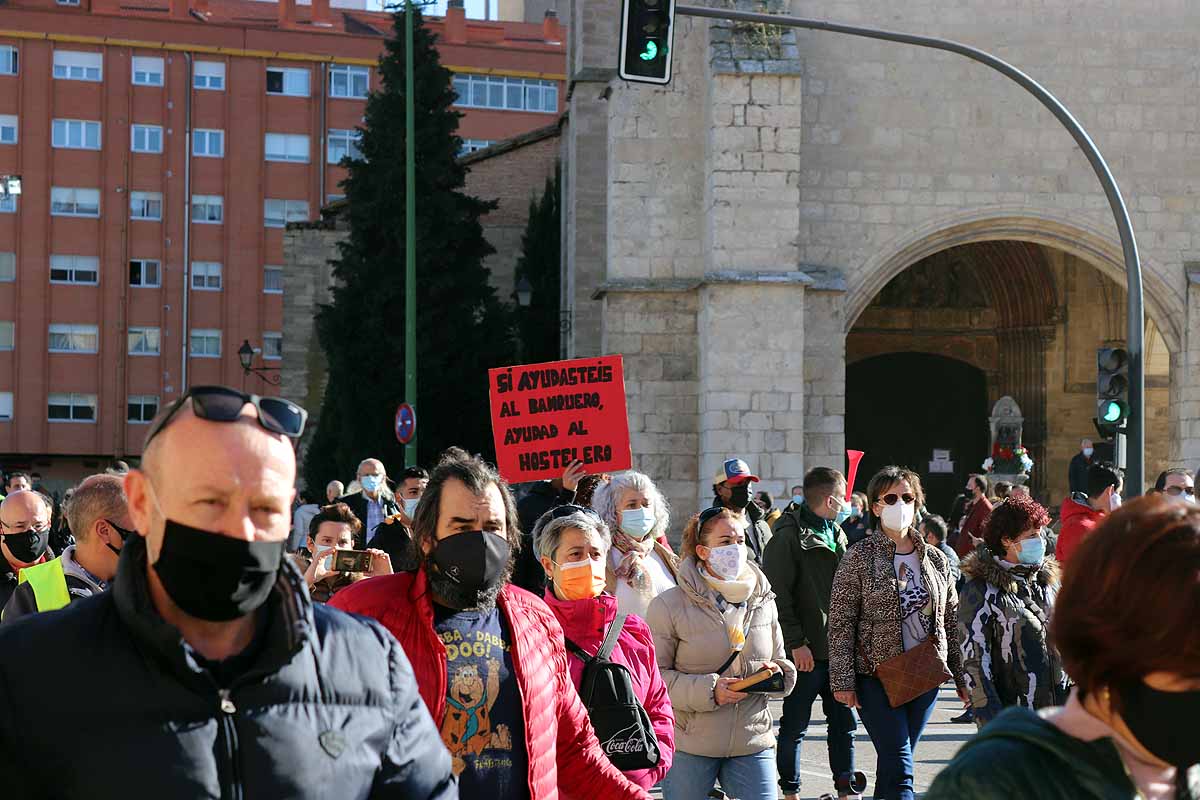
(806, 240)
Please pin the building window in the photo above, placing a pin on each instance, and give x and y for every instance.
(147, 71)
(283, 80)
(6, 406)
(146, 139)
(272, 349)
(74, 3)
(206, 276)
(143, 341)
(278, 213)
(343, 144)
(71, 65)
(287, 147)
(141, 408)
(208, 209)
(349, 82)
(273, 280)
(75, 134)
(71, 407)
(8, 204)
(210, 143)
(8, 335)
(510, 94)
(333, 198)
(209, 75)
(8, 60)
(8, 267)
(71, 202)
(75, 269)
(471, 145)
(74, 338)
(145, 205)
(8, 129)
(144, 272)
(206, 343)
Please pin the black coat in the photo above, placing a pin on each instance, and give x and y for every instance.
(542, 496)
(326, 707)
(358, 504)
(1077, 473)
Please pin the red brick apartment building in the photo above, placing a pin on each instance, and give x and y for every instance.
(162, 146)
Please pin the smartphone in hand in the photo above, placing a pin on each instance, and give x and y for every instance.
(352, 561)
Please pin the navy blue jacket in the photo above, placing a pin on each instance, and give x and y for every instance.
(327, 708)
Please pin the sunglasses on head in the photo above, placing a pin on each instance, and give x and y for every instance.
(558, 512)
(1175, 491)
(222, 404)
(890, 499)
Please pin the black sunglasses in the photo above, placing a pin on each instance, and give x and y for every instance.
(1175, 491)
(558, 512)
(709, 514)
(890, 499)
(222, 404)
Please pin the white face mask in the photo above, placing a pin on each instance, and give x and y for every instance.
(728, 560)
(900, 516)
(637, 522)
(410, 505)
(1114, 502)
(1087, 452)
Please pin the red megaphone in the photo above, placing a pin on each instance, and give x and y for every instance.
(853, 458)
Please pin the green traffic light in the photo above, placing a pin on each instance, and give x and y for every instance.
(650, 53)
(1112, 412)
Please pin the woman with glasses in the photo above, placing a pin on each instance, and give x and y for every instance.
(572, 543)
(892, 594)
(641, 565)
(712, 632)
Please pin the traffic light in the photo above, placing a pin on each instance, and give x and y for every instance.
(646, 40)
(1112, 387)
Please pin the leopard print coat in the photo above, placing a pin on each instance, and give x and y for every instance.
(865, 608)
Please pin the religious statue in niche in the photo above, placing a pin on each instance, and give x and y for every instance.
(1009, 460)
(944, 280)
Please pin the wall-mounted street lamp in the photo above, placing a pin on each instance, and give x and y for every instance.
(246, 356)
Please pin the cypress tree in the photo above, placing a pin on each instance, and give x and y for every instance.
(539, 263)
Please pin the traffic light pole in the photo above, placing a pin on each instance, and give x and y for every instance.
(1136, 433)
(410, 234)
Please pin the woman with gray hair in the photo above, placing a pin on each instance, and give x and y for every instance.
(572, 543)
(641, 565)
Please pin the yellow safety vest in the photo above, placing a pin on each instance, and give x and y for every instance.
(49, 584)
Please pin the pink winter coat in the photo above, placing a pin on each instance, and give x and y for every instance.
(585, 622)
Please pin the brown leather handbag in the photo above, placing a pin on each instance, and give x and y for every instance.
(912, 673)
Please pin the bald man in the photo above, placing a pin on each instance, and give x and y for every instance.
(24, 536)
(212, 673)
(98, 513)
(375, 504)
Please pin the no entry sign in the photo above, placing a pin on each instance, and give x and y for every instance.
(544, 416)
(406, 423)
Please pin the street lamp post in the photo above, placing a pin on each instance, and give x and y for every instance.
(410, 233)
(245, 355)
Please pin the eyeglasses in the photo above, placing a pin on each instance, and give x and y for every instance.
(222, 404)
(890, 499)
(1175, 491)
(558, 512)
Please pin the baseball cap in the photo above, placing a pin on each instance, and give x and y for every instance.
(735, 471)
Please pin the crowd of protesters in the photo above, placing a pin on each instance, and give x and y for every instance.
(559, 646)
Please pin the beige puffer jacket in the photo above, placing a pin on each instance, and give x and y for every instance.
(690, 642)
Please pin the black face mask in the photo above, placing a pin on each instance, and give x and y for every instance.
(740, 496)
(27, 546)
(213, 577)
(1163, 722)
(470, 568)
(123, 533)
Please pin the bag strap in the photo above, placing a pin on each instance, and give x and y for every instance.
(610, 641)
(579, 651)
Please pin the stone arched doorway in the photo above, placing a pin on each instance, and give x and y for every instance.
(900, 407)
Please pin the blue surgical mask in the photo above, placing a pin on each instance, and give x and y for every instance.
(637, 522)
(371, 483)
(1033, 551)
(797, 499)
(843, 513)
(410, 505)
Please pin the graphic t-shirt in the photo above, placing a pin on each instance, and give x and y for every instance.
(483, 729)
(916, 610)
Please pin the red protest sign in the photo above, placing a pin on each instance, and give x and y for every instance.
(544, 416)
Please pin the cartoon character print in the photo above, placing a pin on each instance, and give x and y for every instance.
(467, 728)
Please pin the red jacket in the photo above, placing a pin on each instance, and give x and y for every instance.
(1078, 520)
(968, 537)
(563, 752)
(585, 622)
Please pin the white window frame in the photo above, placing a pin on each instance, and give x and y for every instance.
(283, 212)
(73, 264)
(272, 336)
(208, 136)
(286, 147)
(210, 273)
(9, 129)
(8, 267)
(143, 264)
(73, 134)
(349, 76)
(71, 332)
(294, 81)
(76, 65)
(69, 202)
(147, 71)
(151, 206)
(473, 145)
(348, 143)
(146, 139)
(9, 61)
(140, 401)
(72, 400)
(272, 269)
(139, 339)
(209, 76)
(8, 335)
(207, 335)
(208, 202)
(73, 3)
(8, 204)
(6, 406)
(467, 85)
